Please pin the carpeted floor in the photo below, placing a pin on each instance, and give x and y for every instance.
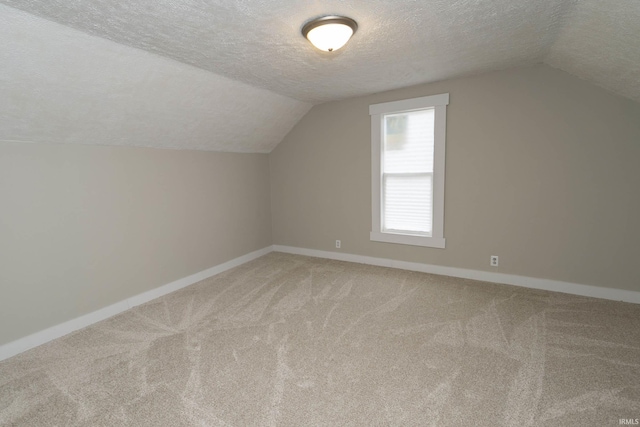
(295, 341)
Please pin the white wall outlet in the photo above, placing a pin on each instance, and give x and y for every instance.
(338, 244)
(494, 260)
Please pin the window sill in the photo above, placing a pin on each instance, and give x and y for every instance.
(405, 239)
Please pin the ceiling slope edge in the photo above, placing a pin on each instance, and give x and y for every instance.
(599, 43)
(61, 85)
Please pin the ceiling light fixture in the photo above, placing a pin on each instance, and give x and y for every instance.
(329, 33)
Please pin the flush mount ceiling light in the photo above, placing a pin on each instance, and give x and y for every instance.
(329, 33)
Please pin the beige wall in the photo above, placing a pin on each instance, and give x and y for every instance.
(542, 169)
(82, 227)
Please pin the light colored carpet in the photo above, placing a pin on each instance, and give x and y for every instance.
(296, 341)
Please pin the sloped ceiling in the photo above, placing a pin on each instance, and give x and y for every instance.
(399, 43)
(59, 85)
(600, 42)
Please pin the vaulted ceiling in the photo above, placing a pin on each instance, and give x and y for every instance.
(237, 75)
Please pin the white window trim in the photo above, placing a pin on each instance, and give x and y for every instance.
(376, 111)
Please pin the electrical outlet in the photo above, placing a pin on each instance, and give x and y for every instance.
(338, 244)
(494, 260)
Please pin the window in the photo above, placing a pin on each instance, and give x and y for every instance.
(408, 146)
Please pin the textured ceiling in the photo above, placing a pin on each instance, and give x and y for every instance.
(258, 42)
(600, 42)
(399, 43)
(60, 85)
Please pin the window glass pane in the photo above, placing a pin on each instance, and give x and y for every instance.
(408, 142)
(407, 202)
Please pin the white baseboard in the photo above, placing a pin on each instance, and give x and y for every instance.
(23, 344)
(39, 338)
(485, 276)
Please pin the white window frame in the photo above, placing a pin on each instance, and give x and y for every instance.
(377, 112)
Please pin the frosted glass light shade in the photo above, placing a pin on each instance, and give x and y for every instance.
(330, 37)
(330, 33)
